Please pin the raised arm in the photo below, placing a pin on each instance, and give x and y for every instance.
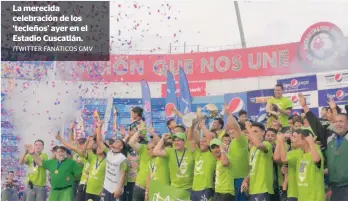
(258, 143)
(68, 144)
(224, 159)
(99, 135)
(178, 113)
(313, 121)
(155, 137)
(276, 154)
(314, 151)
(133, 142)
(71, 132)
(232, 123)
(281, 148)
(22, 158)
(36, 158)
(159, 148)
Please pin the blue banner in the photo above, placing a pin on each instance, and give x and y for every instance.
(185, 96)
(297, 84)
(146, 96)
(256, 104)
(339, 95)
(299, 111)
(171, 99)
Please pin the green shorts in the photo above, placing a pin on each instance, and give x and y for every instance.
(61, 195)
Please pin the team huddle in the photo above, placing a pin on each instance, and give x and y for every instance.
(287, 157)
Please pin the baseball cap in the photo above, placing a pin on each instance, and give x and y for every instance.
(217, 142)
(181, 136)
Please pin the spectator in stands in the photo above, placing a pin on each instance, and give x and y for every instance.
(277, 107)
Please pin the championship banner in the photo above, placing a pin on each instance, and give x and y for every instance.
(256, 104)
(146, 96)
(185, 96)
(236, 102)
(321, 48)
(161, 192)
(171, 99)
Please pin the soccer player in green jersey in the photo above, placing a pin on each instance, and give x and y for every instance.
(180, 161)
(224, 181)
(203, 179)
(260, 179)
(309, 165)
(62, 171)
(238, 154)
(36, 178)
(143, 171)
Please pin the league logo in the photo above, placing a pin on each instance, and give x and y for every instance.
(320, 45)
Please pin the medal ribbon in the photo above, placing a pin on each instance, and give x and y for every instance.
(59, 164)
(253, 155)
(177, 158)
(97, 164)
(152, 165)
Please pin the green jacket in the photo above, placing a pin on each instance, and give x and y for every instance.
(336, 156)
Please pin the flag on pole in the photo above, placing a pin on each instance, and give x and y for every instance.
(185, 96)
(146, 96)
(171, 99)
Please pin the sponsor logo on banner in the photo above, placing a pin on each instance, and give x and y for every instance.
(169, 110)
(196, 89)
(235, 105)
(310, 96)
(307, 83)
(147, 106)
(337, 78)
(257, 104)
(299, 111)
(340, 96)
(236, 102)
(320, 45)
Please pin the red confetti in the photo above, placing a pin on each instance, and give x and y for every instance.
(119, 5)
(135, 6)
(174, 35)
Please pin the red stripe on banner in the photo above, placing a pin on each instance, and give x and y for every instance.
(196, 89)
(228, 64)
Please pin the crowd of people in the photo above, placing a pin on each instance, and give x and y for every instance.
(287, 158)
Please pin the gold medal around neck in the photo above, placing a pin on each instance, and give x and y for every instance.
(56, 172)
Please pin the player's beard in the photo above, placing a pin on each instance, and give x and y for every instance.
(60, 158)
